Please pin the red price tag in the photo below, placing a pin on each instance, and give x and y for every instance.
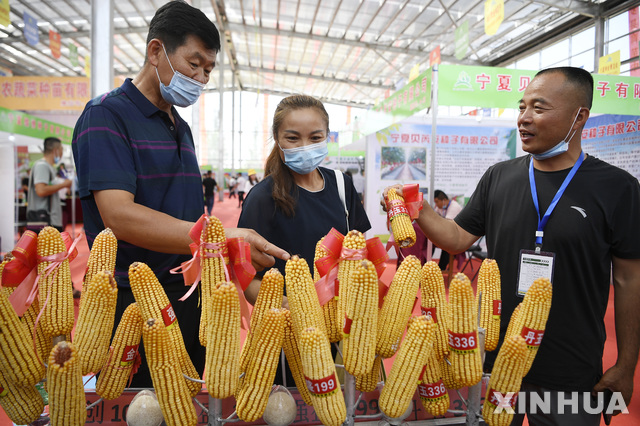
(346, 327)
(322, 387)
(532, 337)
(395, 208)
(497, 308)
(463, 342)
(432, 390)
(496, 399)
(128, 355)
(430, 313)
(168, 316)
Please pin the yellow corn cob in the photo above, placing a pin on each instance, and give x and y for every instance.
(354, 240)
(464, 352)
(513, 321)
(254, 394)
(491, 306)
(102, 257)
(56, 288)
(223, 358)
(506, 377)
(322, 381)
(397, 306)
(301, 294)
(166, 374)
(431, 389)
(44, 343)
(361, 320)
(212, 270)
(404, 377)
(401, 226)
(65, 387)
(6, 260)
(124, 349)
(533, 315)
(19, 362)
(329, 309)
(292, 352)
(154, 303)
(368, 382)
(448, 375)
(23, 404)
(434, 304)
(95, 322)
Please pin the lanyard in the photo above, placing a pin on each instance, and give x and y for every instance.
(534, 193)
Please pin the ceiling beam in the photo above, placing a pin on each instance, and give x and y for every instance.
(323, 99)
(581, 8)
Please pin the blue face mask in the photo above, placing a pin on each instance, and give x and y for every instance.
(561, 147)
(182, 91)
(304, 159)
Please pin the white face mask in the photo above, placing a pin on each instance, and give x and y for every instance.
(561, 147)
(182, 91)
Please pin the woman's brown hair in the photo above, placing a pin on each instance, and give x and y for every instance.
(285, 191)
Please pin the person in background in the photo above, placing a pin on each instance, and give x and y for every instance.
(210, 187)
(447, 209)
(592, 234)
(232, 186)
(241, 182)
(137, 168)
(251, 182)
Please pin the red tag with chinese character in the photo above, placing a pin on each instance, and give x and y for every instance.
(346, 328)
(430, 313)
(497, 308)
(395, 208)
(432, 390)
(128, 355)
(322, 387)
(463, 342)
(533, 338)
(168, 316)
(502, 400)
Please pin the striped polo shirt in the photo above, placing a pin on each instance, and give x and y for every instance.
(123, 141)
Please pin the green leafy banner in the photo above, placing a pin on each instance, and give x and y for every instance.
(27, 125)
(413, 97)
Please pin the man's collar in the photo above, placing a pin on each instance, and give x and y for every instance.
(144, 105)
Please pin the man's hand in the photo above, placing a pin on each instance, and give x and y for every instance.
(616, 379)
(262, 251)
(383, 201)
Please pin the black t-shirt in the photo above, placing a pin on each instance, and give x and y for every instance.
(596, 218)
(315, 214)
(209, 185)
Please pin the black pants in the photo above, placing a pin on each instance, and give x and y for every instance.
(240, 198)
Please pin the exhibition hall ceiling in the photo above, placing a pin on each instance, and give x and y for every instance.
(341, 51)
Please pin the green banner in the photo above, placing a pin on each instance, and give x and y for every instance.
(462, 40)
(73, 54)
(27, 125)
(413, 97)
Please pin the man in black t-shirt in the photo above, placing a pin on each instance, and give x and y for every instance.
(209, 185)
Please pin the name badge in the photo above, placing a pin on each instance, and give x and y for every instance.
(533, 266)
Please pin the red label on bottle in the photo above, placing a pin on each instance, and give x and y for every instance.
(532, 337)
(128, 355)
(430, 313)
(497, 308)
(346, 327)
(322, 387)
(168, 316)
(463, 342)
(432, 390)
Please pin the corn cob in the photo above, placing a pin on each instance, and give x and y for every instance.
(354, 240)
(212, 270)
(102, 257)
(292, 352)
(95, 322)
(154, 303)
(322, 381)
(254, 394)
(166, 374)
(506, 377)
(223, 357)
(329, 309)
(55, 288)
(448, 375)
(513, 321)
(491, 305)
(65, 387)
(8, 290)
(401, 226)
(124, 349)
(23, 404)
(434, 305)
(44, 343)
(404, 377)
(464, 353)
(397, 306)
(533, 315)
(431, 389)
(301, 294)
(368, 382)
(19, 362)
(361, 320)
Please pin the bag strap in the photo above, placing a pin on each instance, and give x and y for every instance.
(341, 193)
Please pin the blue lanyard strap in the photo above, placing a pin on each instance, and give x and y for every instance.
(534, 193)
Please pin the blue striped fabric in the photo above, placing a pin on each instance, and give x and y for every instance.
(123, 141)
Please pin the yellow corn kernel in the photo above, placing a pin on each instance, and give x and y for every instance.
(361, 320)
(448, 375)
(44, 343)
(212, 269)
(354, 240)
(322, 381)
(154, 303)
(368, 382)
(102, 257)
(506, 377)
(23, 404)
(511, 328)
(432, 391)
(95, 322)
(329, 309)
(491, 304)
(401, 226)
(65, 387)
(464, 352)
(301, 294)
(166, 374)
(397, 306)
(253, 396)
(56, 288)
(123, 351)
(292, 353)
(223, 358)
(7, 258)
(434, 305)
(404, 377)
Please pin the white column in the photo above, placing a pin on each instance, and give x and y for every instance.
(7, 190)
(101, 47)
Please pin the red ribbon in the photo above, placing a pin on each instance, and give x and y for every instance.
(25, 259)
(412, 199)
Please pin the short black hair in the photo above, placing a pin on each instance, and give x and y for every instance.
(580, 78)
(50, 143)
(177, 20)
(440, 195)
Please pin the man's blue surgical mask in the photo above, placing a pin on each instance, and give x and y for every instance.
(304, 159)
(561, 147)
(182, 91)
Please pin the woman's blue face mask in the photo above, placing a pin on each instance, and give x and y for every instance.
(305, 159)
